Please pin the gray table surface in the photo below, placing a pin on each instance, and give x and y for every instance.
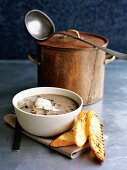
(112, 110)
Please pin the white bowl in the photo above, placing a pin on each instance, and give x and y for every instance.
(46, 125)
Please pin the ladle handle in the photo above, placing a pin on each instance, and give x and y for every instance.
(119, 55)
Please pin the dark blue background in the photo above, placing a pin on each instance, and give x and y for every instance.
(104, 17)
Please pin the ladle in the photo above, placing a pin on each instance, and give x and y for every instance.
(41, 27)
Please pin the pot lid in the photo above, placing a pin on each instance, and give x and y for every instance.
(61, 41)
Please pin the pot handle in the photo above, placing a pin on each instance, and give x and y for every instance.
(32, 58)
(109, 59)
(72, 30)
(75, 31)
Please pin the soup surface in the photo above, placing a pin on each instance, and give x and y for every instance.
(48, 104)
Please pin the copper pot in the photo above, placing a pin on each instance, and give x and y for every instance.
(71, 64)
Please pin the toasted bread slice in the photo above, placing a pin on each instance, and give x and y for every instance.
(79, 128)
(66, 139)
(95, 135)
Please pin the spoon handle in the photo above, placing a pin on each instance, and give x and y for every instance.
(119, 55)
(17, 137)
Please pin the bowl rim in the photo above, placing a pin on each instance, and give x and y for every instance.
(15, 106)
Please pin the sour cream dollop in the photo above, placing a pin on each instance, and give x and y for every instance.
(42, 103)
